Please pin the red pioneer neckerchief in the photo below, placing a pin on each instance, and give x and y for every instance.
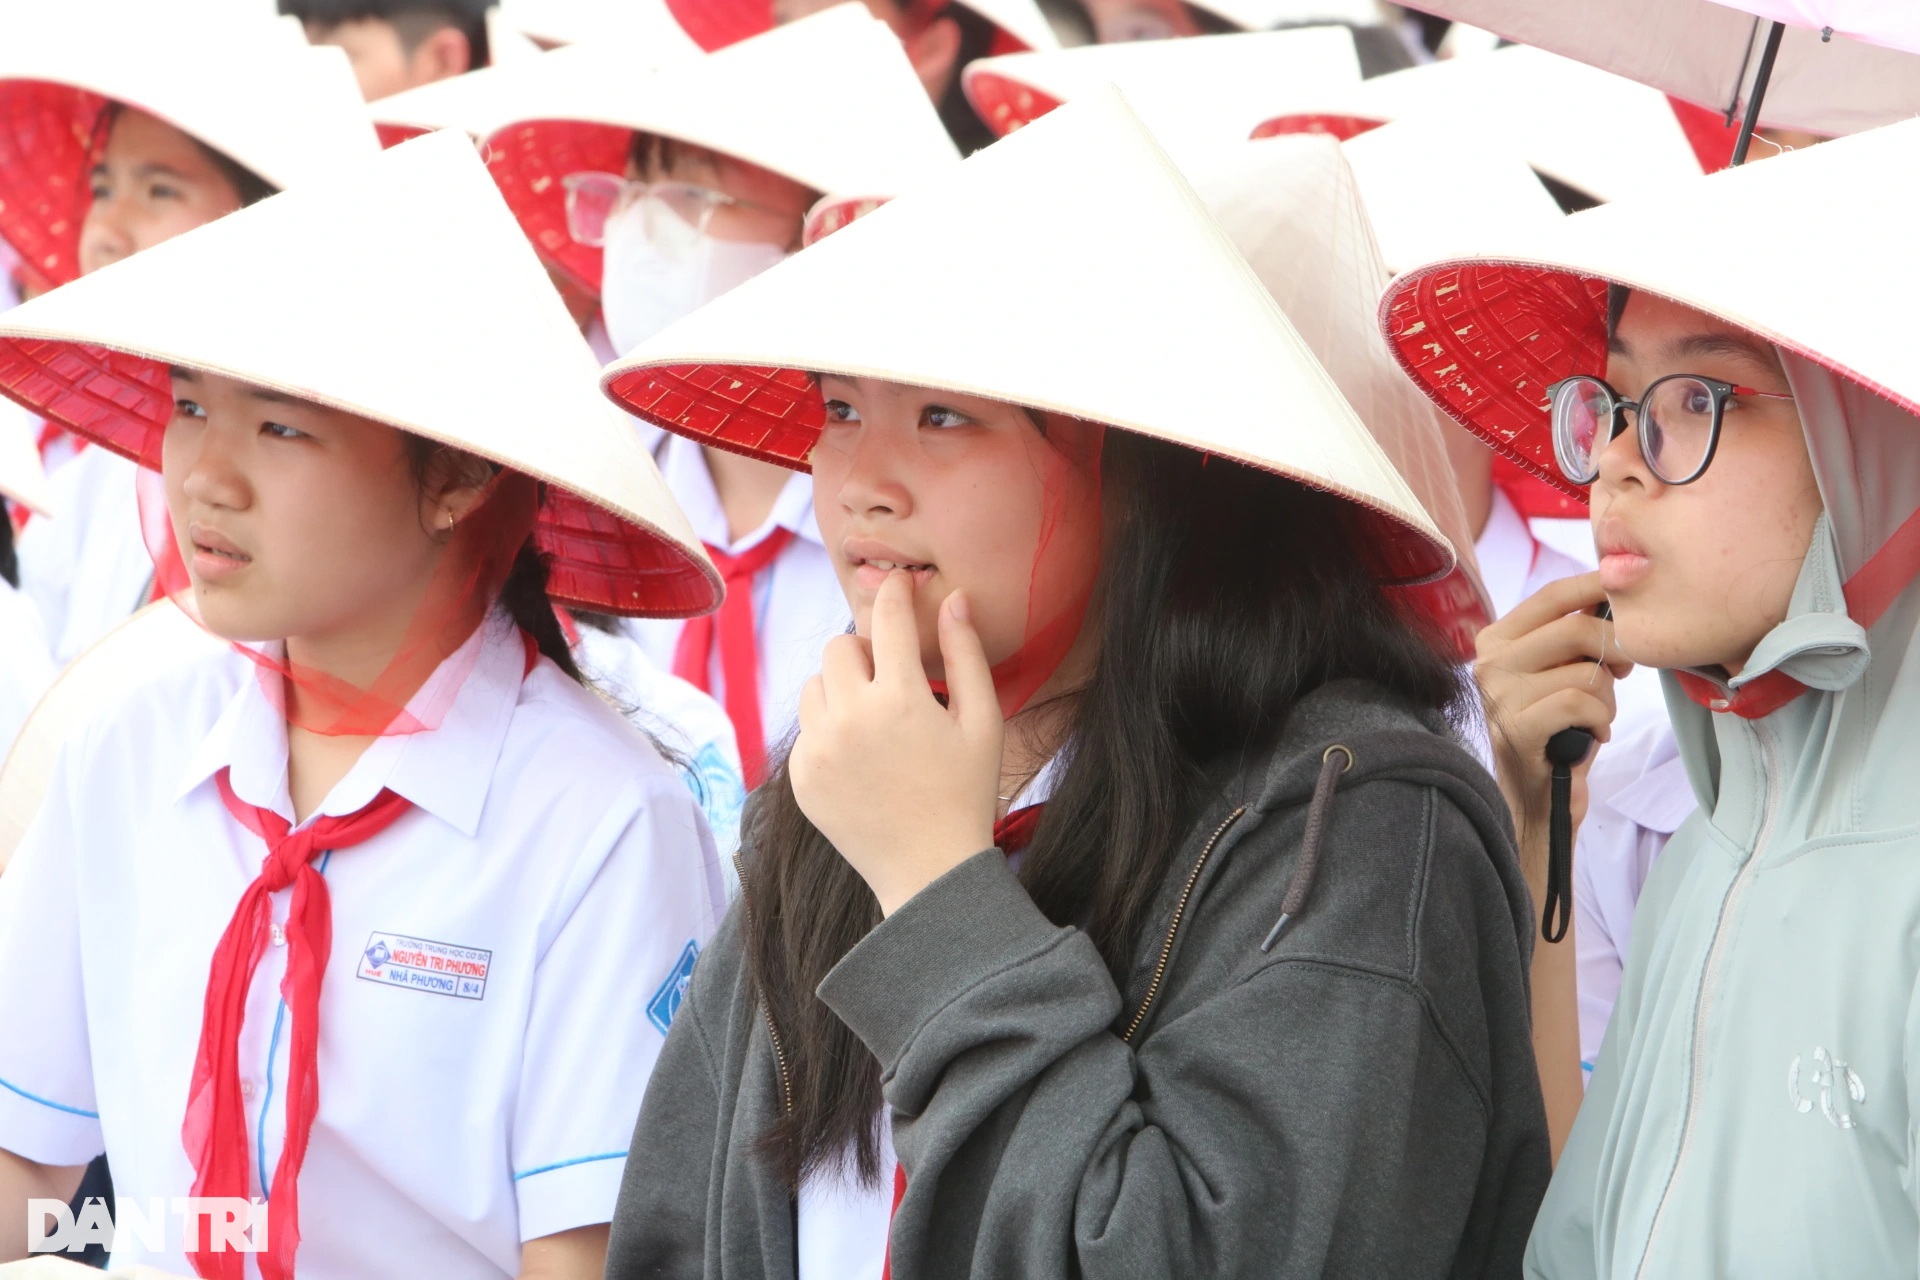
(1013, 834)
(739, 653)
(215, 1130)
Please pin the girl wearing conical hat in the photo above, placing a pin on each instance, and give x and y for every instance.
(115, 146)
(658, 192)
(1125, 901)
(1719, 365)
(388, 915)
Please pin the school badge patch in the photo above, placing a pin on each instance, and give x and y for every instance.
(420, 964)
(666, 1001)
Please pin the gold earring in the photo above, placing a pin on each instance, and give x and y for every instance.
(451, 521)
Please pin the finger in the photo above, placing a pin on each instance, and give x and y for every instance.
(896, 635)
(813, 706)
(845, 664)
(971, 697)
(1567, 709)
(1572, 637)
(1529, 720)
(1578, 594)
(1513, 694)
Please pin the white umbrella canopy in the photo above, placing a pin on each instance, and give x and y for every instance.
(1709, 53)
(1892, 23)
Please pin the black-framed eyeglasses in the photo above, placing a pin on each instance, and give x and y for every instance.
(1678, 419)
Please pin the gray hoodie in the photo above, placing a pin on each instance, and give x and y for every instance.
(1359, 1100)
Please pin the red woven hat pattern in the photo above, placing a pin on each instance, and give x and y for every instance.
(715, 24)
(1486, 340)
(124, 401)
(529, 162)
(1005, 103)
(774, 415)
(46, 140)
(1340, 127)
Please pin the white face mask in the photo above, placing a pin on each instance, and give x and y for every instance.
(644, 288)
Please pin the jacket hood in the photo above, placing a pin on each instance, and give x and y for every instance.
(1839, 751)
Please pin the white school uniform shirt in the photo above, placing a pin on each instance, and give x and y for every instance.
(1638, 795)
(546, 838)
(692, 727)
(26, 669)
(797, 602)
(87, 569)
(841, 1226)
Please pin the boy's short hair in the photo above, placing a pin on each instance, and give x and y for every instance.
(412, 20)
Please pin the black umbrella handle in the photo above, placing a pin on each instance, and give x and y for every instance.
(1564, 750)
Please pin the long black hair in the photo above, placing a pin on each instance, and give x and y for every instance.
(1225, 595)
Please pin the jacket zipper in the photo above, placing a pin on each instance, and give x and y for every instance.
(766, 1016)
(1179, 915)
(1703, 1008)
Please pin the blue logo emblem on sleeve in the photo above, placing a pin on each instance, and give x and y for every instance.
(666, 1001)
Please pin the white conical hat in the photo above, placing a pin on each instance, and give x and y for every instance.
(402, 292)
(1227, 82)
(541, 85)
(252, 91)
(1598, 132)
(1074, 272)
(1265, 15)
(1490, 195)
(1293, 208)
(1814, 251)
(872, 130)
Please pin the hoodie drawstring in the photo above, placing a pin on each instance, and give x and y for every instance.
(1317, 815)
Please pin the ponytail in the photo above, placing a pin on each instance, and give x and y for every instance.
(524, 597)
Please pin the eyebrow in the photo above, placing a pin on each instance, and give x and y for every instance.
(1733, 346)
(150, 169)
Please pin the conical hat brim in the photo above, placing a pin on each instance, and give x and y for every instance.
(404, 293)
(1812, 251)
(1599, 133)
(1226, 84)
(876, 129)
(254, 92)
(1292, 206)
(1495, 195)
(1073, 271)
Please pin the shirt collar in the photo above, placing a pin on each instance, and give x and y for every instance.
(1041, 786)
(1661, 797)
(685, 470)
(1505, 550)
(443, 770)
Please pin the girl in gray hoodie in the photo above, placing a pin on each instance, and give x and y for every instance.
(1246, 994)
